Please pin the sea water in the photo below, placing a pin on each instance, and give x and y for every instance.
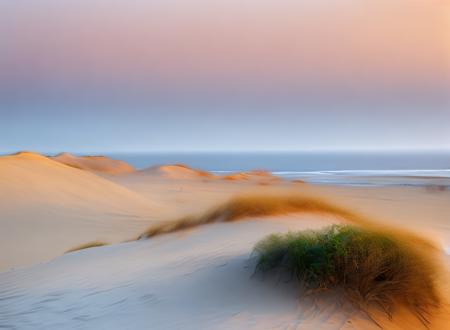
(353, 168)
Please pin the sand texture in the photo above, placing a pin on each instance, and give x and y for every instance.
(201, 277)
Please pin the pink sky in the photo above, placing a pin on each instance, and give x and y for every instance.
(375, 42)
(327, 54)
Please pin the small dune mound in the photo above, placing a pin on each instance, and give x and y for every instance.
(236, 176)
(375, 268)
(257, 175)
(255, 205)
(99, 164)
(86, 246)
(177, 172)
(25, 155)
(185, 172)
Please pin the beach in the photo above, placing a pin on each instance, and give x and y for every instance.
(196, 276)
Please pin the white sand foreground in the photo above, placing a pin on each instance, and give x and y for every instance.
(194, 279)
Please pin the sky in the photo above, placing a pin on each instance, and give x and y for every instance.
(236, 75)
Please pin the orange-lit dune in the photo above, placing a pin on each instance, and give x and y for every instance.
(184, 172)
(263, 177)
(176, 171)
(100, 164)
(48, 207)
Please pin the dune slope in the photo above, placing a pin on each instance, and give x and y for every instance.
(47, 208)
(197, 279)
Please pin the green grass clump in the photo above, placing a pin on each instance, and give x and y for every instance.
(373, 267)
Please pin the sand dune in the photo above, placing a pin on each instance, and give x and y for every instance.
(197, 278)
(29, 177)
(258, 175)
(176, 171)
(100, 164)
(184, 172)
(257, 204)
(47, 208)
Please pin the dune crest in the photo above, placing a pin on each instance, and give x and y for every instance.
(185, 172)
(257, 175)
(99, 164)
(24, 155)
(272, 203)
(37, 177)
(177, 171)
(252, 205)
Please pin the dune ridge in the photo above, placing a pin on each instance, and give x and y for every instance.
(37, 177)
(184, 172)
(269, 203)
(176, 171)
(254, 205)
(99, 164)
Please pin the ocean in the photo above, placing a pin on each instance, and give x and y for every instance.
(349, 168)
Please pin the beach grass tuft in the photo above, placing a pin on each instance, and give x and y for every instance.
(375, 268)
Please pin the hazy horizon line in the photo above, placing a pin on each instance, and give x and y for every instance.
(232, 151)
